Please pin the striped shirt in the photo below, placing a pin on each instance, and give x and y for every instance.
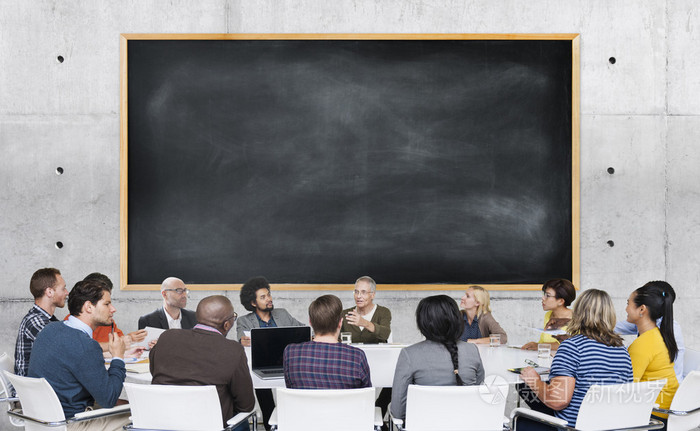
(316, 365)
(590, 363)
(29, 328)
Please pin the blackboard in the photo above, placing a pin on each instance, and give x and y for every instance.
(314, 161)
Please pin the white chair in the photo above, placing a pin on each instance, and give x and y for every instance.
(7, 364)
(691, 361)
(454, 408)
(178, 408)
(624, 406)
(324, 409)
(684, 412)
(41, 409)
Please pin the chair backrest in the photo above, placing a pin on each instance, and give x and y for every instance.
(687, 398)
(452, 408)
(618, 406)
(177, 408)
(691, 361)
(6, 364)
(323, 409)
(38, 401)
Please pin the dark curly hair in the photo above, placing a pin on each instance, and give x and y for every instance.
(249, 290)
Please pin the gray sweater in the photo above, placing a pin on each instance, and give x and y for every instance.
(428, 363)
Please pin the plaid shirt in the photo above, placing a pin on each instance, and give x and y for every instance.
(314, 365)
(30, 327)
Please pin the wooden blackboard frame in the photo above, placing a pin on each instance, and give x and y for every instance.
(575, 145)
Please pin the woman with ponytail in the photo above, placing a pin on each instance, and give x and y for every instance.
(442, 359)
(653, 351)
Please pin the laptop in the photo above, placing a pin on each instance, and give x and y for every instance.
(267, 348)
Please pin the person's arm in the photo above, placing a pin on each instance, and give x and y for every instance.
(623, 327)
(639, 354)
(105, 386)
(403, 377)
(489, 326)
(241, 386)
(365, 379)
(382, 325)
(244, 324)
(556, 395)
(142, 322)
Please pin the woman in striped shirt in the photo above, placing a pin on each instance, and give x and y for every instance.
(593, 355)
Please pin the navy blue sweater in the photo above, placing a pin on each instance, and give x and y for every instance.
(73, 364)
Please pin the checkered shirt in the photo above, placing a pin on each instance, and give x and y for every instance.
(30, 327)
(315, 365)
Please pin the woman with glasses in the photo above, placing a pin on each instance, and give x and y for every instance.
(557, 295)
(594, 354)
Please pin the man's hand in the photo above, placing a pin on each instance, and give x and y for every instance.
(152, 343)
(529, 346)
(354, 318)
(245, 341)
(116, 346)
(134, 352)
(137, 336)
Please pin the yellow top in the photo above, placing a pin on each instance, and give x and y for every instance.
(546, 338)
(650, 361)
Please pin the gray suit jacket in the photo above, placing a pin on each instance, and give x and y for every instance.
(249, 321)
(429, 363)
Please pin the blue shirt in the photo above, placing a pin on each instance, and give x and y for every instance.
(590, 363)
(470, 331)
(269, 324)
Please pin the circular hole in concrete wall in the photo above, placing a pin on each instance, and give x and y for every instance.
(612, 60)
(59, 245)
(60, 59)
(611, 243)
(59, 171)
(611, 170)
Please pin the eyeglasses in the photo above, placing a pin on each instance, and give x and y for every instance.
(547, 295)
(234, 317)
(179, 290)
(531, 363)
(362, 292)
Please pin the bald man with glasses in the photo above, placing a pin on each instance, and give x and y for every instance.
(204, 356)
(172, 315)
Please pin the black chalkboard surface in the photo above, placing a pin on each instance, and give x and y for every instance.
(317, 161)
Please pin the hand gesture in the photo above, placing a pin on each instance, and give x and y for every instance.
(116, 345)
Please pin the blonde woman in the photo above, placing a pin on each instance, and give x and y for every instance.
(479, 324)
(593, 355)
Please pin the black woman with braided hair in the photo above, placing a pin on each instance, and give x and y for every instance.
(442, 359)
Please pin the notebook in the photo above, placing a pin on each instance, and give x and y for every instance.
(267, 347)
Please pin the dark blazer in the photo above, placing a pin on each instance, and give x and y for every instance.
(157, 319)
(200, 357)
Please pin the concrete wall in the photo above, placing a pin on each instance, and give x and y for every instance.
(640, 116)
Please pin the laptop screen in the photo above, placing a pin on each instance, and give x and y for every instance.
(267, 344)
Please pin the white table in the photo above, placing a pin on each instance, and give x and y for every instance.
(382, 363)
